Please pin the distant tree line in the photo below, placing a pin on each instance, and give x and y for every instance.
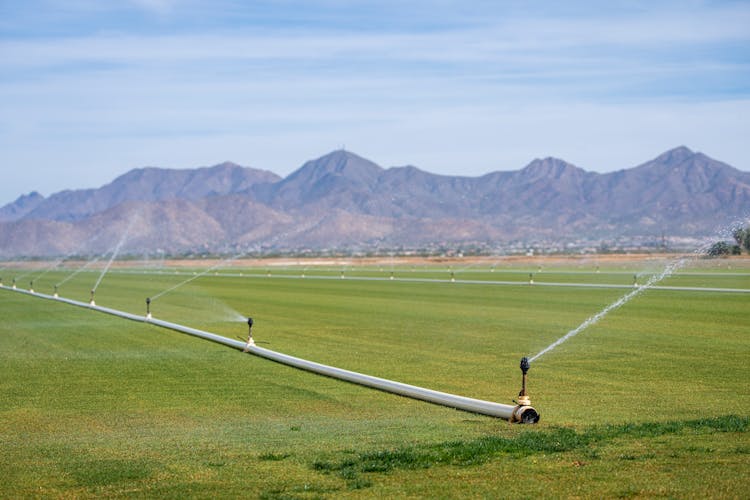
(741, 237)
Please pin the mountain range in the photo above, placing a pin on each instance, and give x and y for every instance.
(342, 200)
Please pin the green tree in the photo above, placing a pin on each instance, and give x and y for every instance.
(742, 237)
(718, 249)
(738, 234)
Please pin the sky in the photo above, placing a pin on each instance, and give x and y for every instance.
(92, 89)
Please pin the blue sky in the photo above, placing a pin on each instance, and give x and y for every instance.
(91, 89)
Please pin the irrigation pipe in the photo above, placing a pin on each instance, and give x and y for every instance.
(456, 281)
(519, 413)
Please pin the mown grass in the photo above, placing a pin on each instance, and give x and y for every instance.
(553, 440)
(652, 401)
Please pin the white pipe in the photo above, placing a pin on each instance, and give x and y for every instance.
(519, 413)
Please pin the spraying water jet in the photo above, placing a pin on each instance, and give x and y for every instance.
(668, 270)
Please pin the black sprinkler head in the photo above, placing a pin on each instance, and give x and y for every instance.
(525, 365)
(250, 322)
(148, 300)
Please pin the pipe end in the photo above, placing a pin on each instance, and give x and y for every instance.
(525, 415)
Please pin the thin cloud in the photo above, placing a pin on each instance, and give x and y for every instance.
(160, 7)
(445, 85)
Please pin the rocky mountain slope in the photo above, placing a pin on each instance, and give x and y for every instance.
(345, 201)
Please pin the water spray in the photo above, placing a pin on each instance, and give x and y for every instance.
(83, 267)
(148, 307)
(638, 289)
(116, 251)
(197, 275)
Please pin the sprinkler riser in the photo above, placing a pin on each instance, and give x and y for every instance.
(524, 413)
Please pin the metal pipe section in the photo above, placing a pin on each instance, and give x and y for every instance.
(522, 413)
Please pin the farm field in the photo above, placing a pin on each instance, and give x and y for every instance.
(652, 400)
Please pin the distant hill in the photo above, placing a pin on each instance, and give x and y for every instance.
(343, 200)
(141, 184)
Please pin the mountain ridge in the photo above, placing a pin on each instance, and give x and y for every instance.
(344, 200)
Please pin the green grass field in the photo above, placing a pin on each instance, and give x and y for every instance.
(652, 401)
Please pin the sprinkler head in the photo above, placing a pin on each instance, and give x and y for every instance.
(523, 398)
(91, 302)
(525, 365)
(148, 307)
(250, 341)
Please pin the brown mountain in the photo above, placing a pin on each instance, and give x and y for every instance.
(343, 200)
(144, 184)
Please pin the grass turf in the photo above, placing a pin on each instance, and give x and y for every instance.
(651, 401)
